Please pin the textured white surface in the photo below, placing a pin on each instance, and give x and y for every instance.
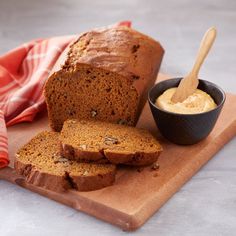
(206, 205)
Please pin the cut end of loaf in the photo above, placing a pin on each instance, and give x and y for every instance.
(90, 93)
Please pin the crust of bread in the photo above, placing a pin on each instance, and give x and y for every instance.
(40, 179)
(132, 159)
(89, 183)
(136, 159)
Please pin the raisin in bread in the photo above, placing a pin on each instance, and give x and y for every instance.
(41, 164)
(105, 76)
(99, 141)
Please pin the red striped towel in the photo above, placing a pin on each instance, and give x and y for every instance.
(23, 72)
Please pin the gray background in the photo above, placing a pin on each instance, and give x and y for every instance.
(206, 205)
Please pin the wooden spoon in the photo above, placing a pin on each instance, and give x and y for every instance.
(189, 83)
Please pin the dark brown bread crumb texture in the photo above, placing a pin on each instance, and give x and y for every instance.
(99, 141)
(106, 76)
(42, 165)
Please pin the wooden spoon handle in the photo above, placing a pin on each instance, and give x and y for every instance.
(189, 83)
(205, 46)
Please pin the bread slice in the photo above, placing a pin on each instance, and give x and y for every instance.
(105, 76)
(42, 165)
(99, 142)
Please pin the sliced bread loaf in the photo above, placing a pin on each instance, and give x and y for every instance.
(42, 165)
(105, 76)
(99, 141)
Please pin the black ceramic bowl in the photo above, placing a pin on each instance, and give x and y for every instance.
(185, 129)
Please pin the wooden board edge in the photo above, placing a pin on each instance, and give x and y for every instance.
(120, 219)
(141, 215)
(127, 222)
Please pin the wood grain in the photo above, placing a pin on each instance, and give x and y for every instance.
(142, 193)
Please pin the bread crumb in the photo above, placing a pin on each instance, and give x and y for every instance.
(155, 166)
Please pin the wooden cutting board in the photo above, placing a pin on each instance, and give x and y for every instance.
(137, 193)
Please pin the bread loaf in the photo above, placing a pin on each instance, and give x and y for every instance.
(42, 165)
(106, 76)
(97, 141)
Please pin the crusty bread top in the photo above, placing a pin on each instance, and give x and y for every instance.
(119, 49)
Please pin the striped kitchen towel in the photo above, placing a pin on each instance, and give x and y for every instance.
(23, 72)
